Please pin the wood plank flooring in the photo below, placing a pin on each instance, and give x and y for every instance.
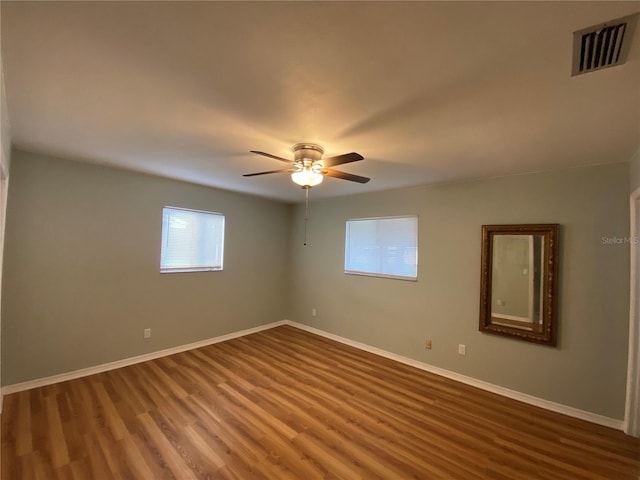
(286, 404)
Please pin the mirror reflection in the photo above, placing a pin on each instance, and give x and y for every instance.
(516, 288)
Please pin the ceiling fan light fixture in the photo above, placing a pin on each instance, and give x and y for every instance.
(307, 178)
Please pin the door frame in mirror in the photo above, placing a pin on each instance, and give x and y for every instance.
(546, 335)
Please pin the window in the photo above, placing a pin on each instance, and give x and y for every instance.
(382, 247)
(192, 241)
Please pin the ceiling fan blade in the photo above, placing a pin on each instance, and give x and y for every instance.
(345, 176)
(282, 170)
(272, 156)
(341, 159)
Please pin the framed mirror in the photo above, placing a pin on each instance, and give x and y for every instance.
(518, 287)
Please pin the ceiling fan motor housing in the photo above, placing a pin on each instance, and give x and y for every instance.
(307, 151)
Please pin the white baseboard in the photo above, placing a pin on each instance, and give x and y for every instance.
(490, 387)
(63, 377)
(523, 397)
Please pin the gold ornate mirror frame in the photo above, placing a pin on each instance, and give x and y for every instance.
(519, 281)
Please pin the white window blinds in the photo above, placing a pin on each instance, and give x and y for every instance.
(382, 247)
(192, 240)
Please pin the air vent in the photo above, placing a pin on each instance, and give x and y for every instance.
(602, 46)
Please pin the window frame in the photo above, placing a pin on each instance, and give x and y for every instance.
(208, 268)
(380, 274)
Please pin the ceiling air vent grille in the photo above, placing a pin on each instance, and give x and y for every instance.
(602, 46)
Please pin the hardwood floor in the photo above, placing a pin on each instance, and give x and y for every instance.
(286, 404)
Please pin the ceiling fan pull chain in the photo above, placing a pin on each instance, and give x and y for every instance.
(306, 214)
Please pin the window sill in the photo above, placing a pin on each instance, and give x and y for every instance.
(187, 270)
(381, 275)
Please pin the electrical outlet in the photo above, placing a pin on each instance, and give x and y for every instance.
(427, 344)
(313, 312)
(147, 333)
(462, 349)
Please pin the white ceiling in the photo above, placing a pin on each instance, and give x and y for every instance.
(426, 92)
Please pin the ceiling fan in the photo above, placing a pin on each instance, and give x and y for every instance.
(308, 168)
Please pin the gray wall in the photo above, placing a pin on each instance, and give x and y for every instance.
(81, 273)
(588, 368)
(81, 277)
